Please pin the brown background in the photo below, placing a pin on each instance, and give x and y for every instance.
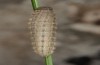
(15, 45)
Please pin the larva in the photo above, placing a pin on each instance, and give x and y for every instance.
(43, 28)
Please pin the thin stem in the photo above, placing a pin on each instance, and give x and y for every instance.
(35, 4)
(48, 60)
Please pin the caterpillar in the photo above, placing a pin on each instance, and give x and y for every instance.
(42, 27)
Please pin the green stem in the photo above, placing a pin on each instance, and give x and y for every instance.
(48, 60)
(35, 4)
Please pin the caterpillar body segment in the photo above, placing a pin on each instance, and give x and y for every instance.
(43, 29)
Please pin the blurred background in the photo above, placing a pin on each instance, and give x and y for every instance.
(15, 44)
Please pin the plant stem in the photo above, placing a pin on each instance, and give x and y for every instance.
(35, 4)
(48, 60)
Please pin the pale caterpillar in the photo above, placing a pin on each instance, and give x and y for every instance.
(43, 28)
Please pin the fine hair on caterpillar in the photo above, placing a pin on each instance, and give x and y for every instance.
(43, 27)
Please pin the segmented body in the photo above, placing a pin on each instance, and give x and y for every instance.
(43, 28)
